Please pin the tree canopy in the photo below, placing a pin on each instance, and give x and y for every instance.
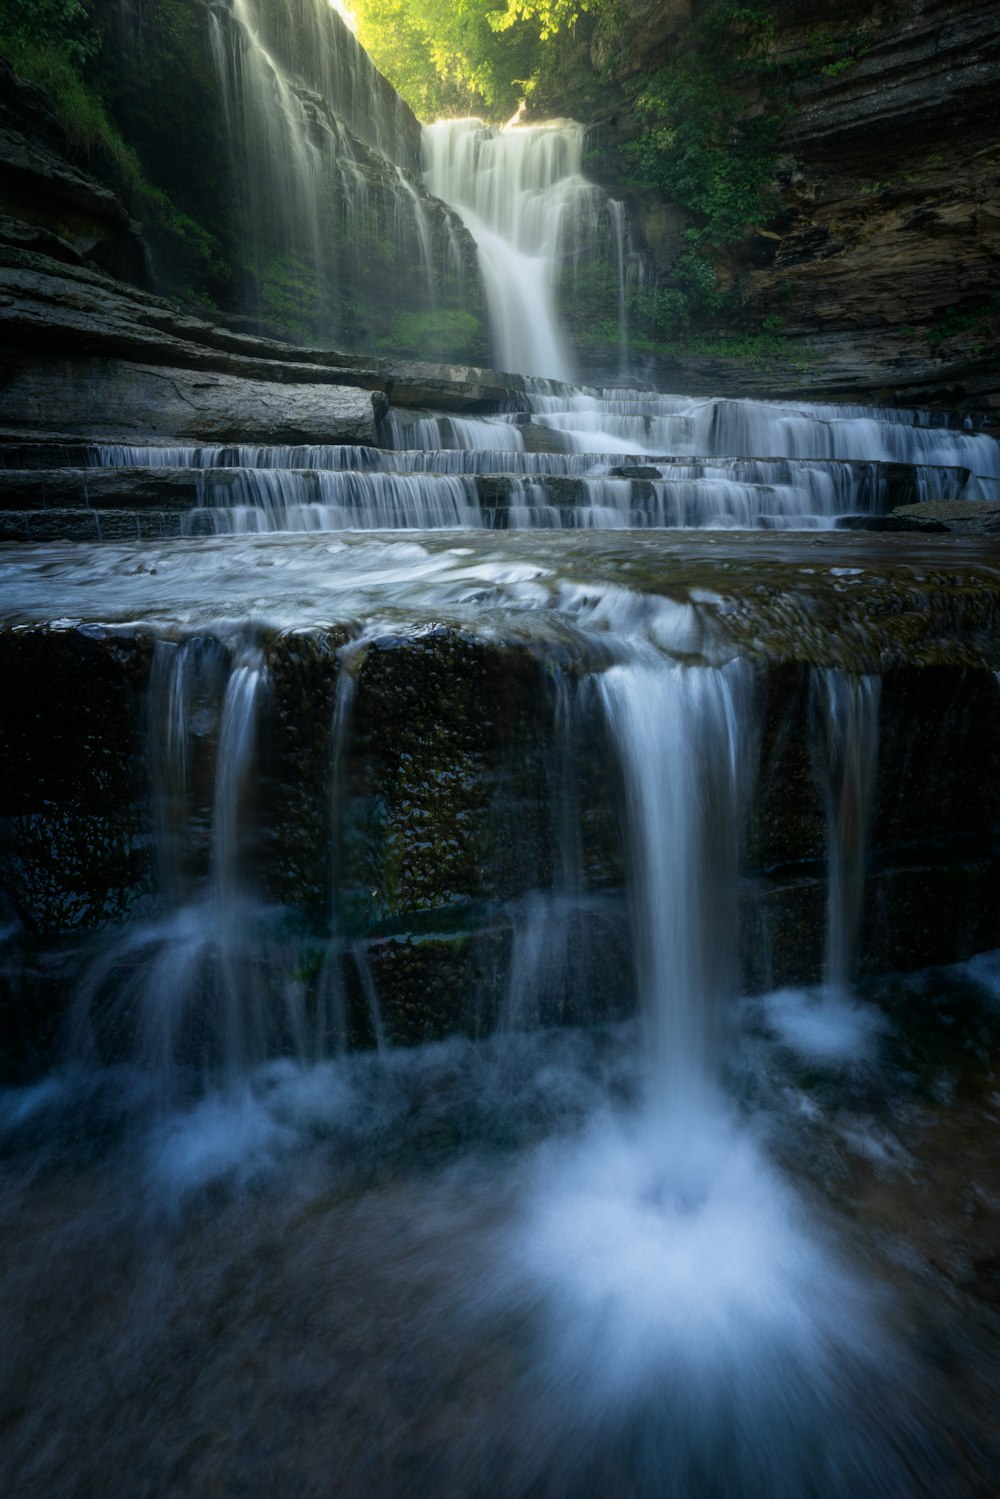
(452, 57)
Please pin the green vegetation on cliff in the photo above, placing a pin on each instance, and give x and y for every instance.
(457, 57)
(73, 51)
(695, 145)
(691, 139)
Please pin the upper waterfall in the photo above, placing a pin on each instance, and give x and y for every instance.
(522, 195)
(336, 240)
(310, 41)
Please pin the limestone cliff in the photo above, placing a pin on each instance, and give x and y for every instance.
(879, 257)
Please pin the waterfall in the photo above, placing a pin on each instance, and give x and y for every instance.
(337, 239)
(683, 738)
(556, 957)
(203, 986)
(847, 707)
(557, 457)
(829, 1025)
(522, 195)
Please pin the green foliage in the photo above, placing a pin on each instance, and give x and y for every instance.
(831, 53)
(440, 333)
(695, 274)
(59, 45)
(289, 295)
(80, 111)
(983, 323)
(549, 15)
(61, 25)
(697, 148)
(453, 57)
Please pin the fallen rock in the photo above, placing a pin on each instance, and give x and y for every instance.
(893, 522)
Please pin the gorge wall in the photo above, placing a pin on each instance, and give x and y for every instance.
(247, 160)
(875, 248)
(865, 268)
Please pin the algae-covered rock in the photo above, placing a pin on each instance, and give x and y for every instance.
(445, 802)
(73, 786)
(298, 786)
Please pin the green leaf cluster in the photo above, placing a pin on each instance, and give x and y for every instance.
(696, 146)
(64, 25)
(455, 57)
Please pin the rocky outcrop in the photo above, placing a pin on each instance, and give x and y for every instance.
(891, 197)
(113, 398)
(83, 353)
(49, 204)
(399, 838)
(878, 265)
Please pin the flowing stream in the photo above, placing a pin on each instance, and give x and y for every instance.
(579, 1254)
(456, 1047)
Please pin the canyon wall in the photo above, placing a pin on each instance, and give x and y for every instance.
(875, 258)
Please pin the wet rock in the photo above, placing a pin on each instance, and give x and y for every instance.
(445, 779)
(407, 836)
(970, 517)
(73, 805)
(299, 807)
(892, 522)
(50, 205)
(112, 398)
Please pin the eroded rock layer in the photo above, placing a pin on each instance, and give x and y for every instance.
(401, 802)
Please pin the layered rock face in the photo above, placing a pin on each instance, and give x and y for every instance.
(50, 205)
(881, 261)
(270, 173)
(891, 194)
(396, 811)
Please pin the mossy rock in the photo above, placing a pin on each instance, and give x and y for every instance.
(73, 777)
(445, 800)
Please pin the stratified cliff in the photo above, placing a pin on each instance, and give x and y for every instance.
(263, 170)
(833, 231)
(875, 259)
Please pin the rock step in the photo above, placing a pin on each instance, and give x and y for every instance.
(30, 485)
(430, 868)
(95, 504)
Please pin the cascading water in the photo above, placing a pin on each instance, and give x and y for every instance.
(522, 195)
(446, 471)
(830, 1025)
(338, 239)
(682, 734)
(848, 707)
(407, 768)
(679, 1276)
(489, 795)
(196, 988)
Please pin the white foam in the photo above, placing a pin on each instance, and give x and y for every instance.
(679, 1255)
(245, 1134)
(824, 1025)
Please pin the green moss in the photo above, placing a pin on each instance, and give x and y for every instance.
(78, 108)
(65, 50)
(438, 333)
(982, 322)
